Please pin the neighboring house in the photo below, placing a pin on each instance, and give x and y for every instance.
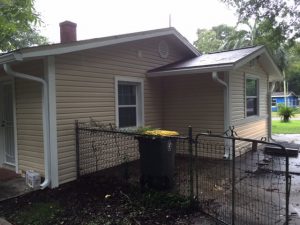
(278, 99)
(154, 78)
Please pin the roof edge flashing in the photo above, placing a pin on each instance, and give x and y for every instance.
(79, 46)
(189, 71)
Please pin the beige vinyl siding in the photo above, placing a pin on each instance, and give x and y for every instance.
(255, 130)
(198, 101)
(194, 100)
(85, 87)
(29, 118)
(237, 92)
(253, 127)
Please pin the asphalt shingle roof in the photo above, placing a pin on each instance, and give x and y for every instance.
(211, 59)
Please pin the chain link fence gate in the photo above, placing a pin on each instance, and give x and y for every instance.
(236, 182)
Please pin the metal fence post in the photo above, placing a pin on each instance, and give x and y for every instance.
(233, 181)
(191, 162)
(287, 189)
(77, 148)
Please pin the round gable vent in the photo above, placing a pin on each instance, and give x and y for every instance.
(163, 49)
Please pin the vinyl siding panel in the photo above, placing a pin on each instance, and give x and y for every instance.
(194, 100)
(237, 91)
(254, 130)
(29, 118)
(253, 127)
(85, 87)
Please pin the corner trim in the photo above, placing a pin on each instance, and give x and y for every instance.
(50, 77)
(15, 124)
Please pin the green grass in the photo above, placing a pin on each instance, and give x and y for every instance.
(38, 213)
(275, 114)
(292, 127)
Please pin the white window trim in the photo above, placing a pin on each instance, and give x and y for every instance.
(252, 77)
(140, 98)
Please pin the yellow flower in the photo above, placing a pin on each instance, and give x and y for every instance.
(161, 133)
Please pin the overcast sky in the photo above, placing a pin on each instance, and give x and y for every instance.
(99, 18)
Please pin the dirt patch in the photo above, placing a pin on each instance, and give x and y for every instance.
(98, 200)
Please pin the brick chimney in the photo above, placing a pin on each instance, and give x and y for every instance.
(67, 31)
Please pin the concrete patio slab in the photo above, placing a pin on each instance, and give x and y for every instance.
(11, 184)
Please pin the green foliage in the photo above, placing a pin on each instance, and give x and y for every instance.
(142, 130)
(207, 41)
(19, 24)
(286, 113)
(283, 15)
(225, 37)
(38, 213)
(293, 70)
(292, 127)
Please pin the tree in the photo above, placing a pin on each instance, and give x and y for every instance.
(207, 41)
(19, 24)
(286, 113)
(225, 37)
(293, 69)
(284, 15)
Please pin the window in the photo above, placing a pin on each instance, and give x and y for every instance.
(252, 96)
(274, 102)
(129, 103)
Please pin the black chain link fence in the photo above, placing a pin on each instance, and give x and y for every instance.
(231, 178)
(236, 182)
(103, 148)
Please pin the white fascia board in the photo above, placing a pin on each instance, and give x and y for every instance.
(11, 57)
(29, 53)
(278, 72)
(187, 43)
(259, 52)
(248, 58)
(188, 71)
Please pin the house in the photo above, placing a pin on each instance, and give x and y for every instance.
(154, 78)
(278, 98)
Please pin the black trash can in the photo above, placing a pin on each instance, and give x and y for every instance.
(157, 162)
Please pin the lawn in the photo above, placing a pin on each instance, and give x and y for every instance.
(292, 127)
(275, 114)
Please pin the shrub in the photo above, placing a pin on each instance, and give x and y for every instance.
(286, 113)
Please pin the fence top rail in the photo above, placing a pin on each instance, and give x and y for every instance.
(126, 132)
(240, 139)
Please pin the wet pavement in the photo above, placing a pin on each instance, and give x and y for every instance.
(292, 141)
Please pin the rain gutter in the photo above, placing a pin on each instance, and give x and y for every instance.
(217, 79)
(271, 89)
(10, 72)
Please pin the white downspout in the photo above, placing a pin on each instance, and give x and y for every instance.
(271, 89)
(216, 78)
(10, 72)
